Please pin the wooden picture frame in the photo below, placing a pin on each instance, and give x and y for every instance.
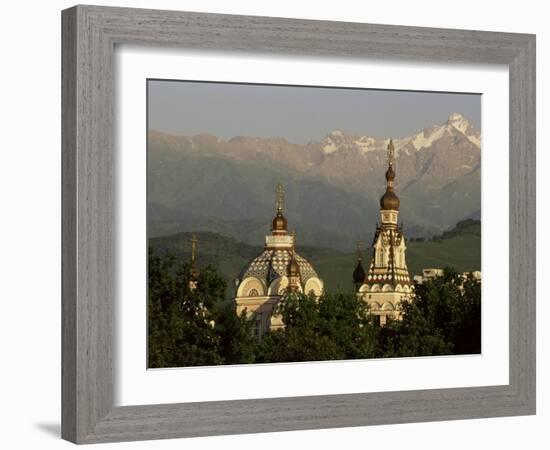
(90, 34)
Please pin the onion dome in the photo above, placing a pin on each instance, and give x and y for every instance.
(359, 273)
(389, 200)
(279, 222)
(293, 267)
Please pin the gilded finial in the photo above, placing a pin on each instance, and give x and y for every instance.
(293, 234)
(280, 197)
(391, 152)
(194, 241)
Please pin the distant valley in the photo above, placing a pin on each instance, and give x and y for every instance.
(459, 247)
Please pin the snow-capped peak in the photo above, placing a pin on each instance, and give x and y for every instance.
(459, 122)
(338, 140)
(334, 140)
(426, 137)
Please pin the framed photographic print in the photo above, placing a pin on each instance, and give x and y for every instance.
(286, 204)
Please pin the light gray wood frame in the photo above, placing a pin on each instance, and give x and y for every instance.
(89, 36)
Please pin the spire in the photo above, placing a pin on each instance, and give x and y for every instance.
(280, 193)
(194, 241)
(390, 173)
(389, 200)
(278, 226)
(193, 270)
(391, 152)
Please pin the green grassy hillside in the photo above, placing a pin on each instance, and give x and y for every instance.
(459, 248)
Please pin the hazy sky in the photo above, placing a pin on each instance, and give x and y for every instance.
(297, 113)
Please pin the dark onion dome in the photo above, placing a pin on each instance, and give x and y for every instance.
(293, 268)
(389, 200)
(359, 273)
(279, 222)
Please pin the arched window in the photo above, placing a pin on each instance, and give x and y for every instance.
(253, 293)
(381, 259)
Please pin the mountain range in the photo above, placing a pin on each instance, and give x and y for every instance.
(227, 186)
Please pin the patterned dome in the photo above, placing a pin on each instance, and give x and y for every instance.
(273, 263)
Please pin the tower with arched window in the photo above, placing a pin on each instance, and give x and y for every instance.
(279, 269)
(387, 282)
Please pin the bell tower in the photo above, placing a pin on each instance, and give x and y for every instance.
(387, 281)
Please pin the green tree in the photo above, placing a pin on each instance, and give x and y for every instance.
(334, 326)
(180, 323)
(443, 317)
(237, 344)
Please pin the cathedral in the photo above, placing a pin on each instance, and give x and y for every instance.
(279, 269)
(387, 282)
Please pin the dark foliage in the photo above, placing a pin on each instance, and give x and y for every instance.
(444, 318)
(200, 327)
(335, 326)
(192, 327)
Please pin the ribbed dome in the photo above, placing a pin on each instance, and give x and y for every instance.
(359, 273)
(389, 200)
(271, 264)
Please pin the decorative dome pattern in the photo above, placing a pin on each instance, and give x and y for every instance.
(273, 263)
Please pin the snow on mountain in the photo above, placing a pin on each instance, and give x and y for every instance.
(456, 122)
(460, 123)
(329, 148)
(426, 138)
(338, 140)
(438, 168)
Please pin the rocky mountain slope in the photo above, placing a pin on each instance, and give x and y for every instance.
(206, 183)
